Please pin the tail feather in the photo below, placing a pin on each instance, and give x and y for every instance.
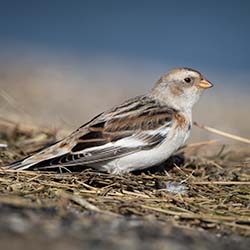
(20, 165)
(29, 163)
(40, 159)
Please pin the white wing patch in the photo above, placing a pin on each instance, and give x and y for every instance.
(130, 142)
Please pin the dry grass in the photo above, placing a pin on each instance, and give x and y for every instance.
(216, 179)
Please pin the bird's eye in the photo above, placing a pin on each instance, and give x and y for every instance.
(188, 79)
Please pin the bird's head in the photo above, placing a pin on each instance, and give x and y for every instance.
(180, 87)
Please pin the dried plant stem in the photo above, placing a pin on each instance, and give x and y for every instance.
(197, 145)
(205, 217)
(225, 134)
(221, 182)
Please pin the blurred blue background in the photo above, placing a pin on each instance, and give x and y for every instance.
(75, 54)
(205, 34)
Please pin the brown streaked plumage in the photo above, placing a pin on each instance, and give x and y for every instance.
(176, 90)
(136, 134)
(182, 121)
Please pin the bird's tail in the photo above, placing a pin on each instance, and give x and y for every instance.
(40, 159)
(21, 164)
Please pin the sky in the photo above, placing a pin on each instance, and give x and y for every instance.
(211, 35)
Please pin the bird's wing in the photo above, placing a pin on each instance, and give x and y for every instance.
(133, 126)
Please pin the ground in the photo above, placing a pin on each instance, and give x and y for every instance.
(199, 199)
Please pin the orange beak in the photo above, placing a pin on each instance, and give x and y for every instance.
(205, 84)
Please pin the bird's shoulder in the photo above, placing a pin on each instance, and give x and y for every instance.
(139, 113)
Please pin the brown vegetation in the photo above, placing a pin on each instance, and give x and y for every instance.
(214, 194)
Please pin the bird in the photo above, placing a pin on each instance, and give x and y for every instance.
(139, 133)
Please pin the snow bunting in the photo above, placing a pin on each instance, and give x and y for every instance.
(139, 133)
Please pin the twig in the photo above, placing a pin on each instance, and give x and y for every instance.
(219, 132)
(85, 204)
(135, 194)
(86, 185)
(197, 144)
(221, 182)
(81, 201)
(204, 217)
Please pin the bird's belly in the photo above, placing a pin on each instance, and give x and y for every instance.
(147, 158)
